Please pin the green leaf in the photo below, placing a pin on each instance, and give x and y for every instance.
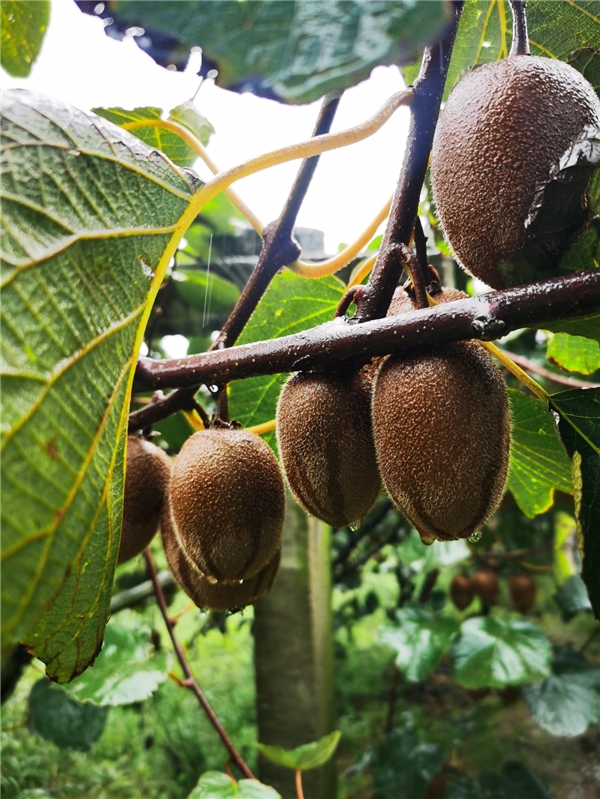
(166, 141)
(295, 52)
(194, 286)
(575, 353)
(538, 462)
(424, 559)
(58, 717)
(420, 641)
(23, 26)
(492, 653)
(569, 700)
(571, 597)
(579, 429)
(126, 671)
(402, 766)
(291, 304)
(90, 219)
(215, 785)
(304, 757)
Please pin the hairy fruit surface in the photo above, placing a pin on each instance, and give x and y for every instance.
(147, 477)
(511, 165)
(227, 504)
(326, 444)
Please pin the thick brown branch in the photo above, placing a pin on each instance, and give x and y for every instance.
(488, 317)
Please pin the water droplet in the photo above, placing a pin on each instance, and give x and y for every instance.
(475, 538)
(354, 526)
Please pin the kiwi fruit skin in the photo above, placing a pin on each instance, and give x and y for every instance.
(147, 475)
(522, 589)
(462, 591)
(486, 586)
(208, 595)
(325, 439)
(441, 425)
(499, 140)
(227, 503)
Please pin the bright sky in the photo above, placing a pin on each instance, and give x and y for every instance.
(81, 65)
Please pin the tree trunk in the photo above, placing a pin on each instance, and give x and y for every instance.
(293, 654)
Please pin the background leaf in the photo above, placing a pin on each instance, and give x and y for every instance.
(575, 353)
(305, 757)
(23, 26)
(515, 782)
(492, 653)
(569, 700)
(579, 428)
(420, 640)
(58, 717)
(127, 670)
(290, 304)
(88, 212)
(538, 462)
(215, 785)
(291, 51)
(172, 145)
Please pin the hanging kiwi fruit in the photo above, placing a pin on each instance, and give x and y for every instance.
(147, 474)
(522, 589)
(511, 162)
(226, 504)
(462, 591)
(325, 439)
(441, 425)
(487, 586)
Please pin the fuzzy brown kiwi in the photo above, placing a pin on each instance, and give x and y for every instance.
(508, 168)
(441, 425)
(487, 586)
(522, 589)
(462, 591)
(147, 475)
(227, 502)
(325, 440)
(209, 595)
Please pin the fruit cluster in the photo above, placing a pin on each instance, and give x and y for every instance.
(485, 584)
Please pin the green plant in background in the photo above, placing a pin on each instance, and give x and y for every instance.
(111, 242)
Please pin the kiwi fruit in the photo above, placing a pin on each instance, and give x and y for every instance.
(461, 591)
(487, 586)
(441, 426)
(325, 440)
(209, 595)
(508, 169)
(227, 502)
(147, 474)
(522, 589)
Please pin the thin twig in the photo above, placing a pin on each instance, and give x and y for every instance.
(536, 368)
(428, 90)
(299, 791)
(190, 681)
(520, 37)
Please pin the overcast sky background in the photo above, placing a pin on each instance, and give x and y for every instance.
(81, 65)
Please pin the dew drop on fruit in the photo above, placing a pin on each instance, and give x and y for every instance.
(354, 526)
(475, 538)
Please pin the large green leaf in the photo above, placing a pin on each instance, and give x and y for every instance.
(90, 220)
(168, 142)
(420, 640)
(23, 26)
(127, 670)
(305, 757)
(58, 717)
(538, 462)
(291, 304)
(579, 428)
(492, 653)
(292, 50)
(569, 700)
(575, 353)
(216, 785)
